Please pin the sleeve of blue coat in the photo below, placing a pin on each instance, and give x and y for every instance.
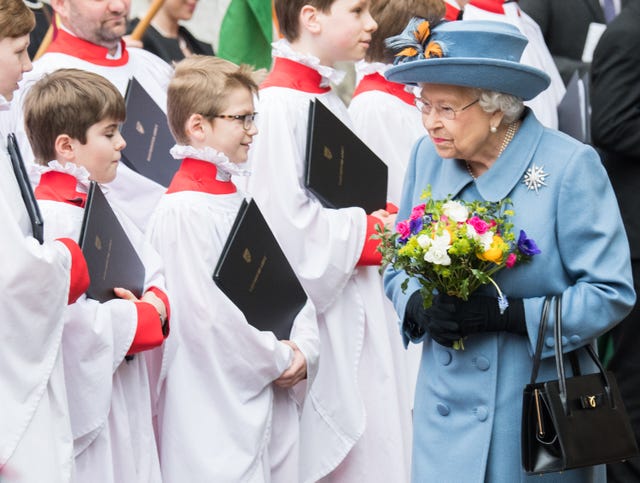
(595, 254)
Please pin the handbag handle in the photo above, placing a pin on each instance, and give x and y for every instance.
(541, 330)
(557, 334)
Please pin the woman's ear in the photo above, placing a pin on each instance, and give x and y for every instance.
(496, 119)
(64, 148)
(195, 127)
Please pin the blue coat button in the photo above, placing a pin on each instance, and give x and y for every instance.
(482, 413)
(444, 357)
(443, 409)
(482, 363)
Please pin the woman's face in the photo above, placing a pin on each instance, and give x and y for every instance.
(457, 125)
(180, 9)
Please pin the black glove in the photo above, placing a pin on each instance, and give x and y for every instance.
(481, 313)
(438, 320)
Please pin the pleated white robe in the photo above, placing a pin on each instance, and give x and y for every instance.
(356, 422)
(220, 417)
(109, 398)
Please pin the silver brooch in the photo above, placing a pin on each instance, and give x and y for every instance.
(535, 178)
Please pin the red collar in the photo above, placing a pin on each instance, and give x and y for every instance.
(200, 176)
(294, 75)
(57, 186)
(65, 43)
(376, 82)
(494, 6)
(452, 13)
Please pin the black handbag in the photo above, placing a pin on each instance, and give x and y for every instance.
(576, 421)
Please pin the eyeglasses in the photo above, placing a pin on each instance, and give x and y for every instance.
(444, 112)
(248, 120)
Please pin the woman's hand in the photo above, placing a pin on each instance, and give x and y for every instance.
(297, 371)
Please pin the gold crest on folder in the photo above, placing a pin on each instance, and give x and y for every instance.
(246, 255)
(327, 153)
(98, 243)
(139, 127)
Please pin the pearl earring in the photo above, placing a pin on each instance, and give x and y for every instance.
(493, 129)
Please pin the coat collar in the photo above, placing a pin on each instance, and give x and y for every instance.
(508, 170)
(61, 187)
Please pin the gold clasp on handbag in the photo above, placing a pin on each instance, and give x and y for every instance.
(536, 394)
(589, 401)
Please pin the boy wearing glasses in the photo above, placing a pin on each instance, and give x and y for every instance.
(227, 411)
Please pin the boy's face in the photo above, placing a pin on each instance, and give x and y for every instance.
(228, 135)
(101, 153)
(346, 31)
(14, 60)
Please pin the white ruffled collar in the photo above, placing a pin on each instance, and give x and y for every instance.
(4, 104)
(282, 48)
(226, 168)
(80, 173)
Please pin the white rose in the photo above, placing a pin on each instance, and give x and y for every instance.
(456, 211)
(424, 241)
(438, 251)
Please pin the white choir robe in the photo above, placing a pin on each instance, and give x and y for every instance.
(35, 433)
(390, 126)
(536, 54)
(136, 194)
(356, 423)
(220, 417)
(109, 398)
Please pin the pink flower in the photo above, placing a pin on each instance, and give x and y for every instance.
(479, 225)
(404, 229)
(417, 212)
(511, 260)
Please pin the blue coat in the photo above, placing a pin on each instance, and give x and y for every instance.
(467, 411)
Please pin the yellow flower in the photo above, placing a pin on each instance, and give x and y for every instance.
(495, 252)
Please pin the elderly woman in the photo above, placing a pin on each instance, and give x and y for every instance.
(482, 144)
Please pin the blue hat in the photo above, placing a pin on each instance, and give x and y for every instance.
(470, 53)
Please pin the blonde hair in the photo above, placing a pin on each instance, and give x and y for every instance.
(392, 16)
(68, 101)
(200, 85)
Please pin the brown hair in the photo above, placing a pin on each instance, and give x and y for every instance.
(16, 19)
(68, 101)
(392, 17)
(200, 85)
(288, 15)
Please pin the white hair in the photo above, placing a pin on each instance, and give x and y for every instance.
(491, 101)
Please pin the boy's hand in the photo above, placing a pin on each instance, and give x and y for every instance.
(297, 371)
(385, 217)
(148, 297)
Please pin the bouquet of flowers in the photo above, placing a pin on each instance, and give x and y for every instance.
(454, 246)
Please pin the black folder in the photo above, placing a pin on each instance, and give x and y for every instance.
(29, 199)
(255, 275)
(148, 137)
(111, 258)
(340, 168)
